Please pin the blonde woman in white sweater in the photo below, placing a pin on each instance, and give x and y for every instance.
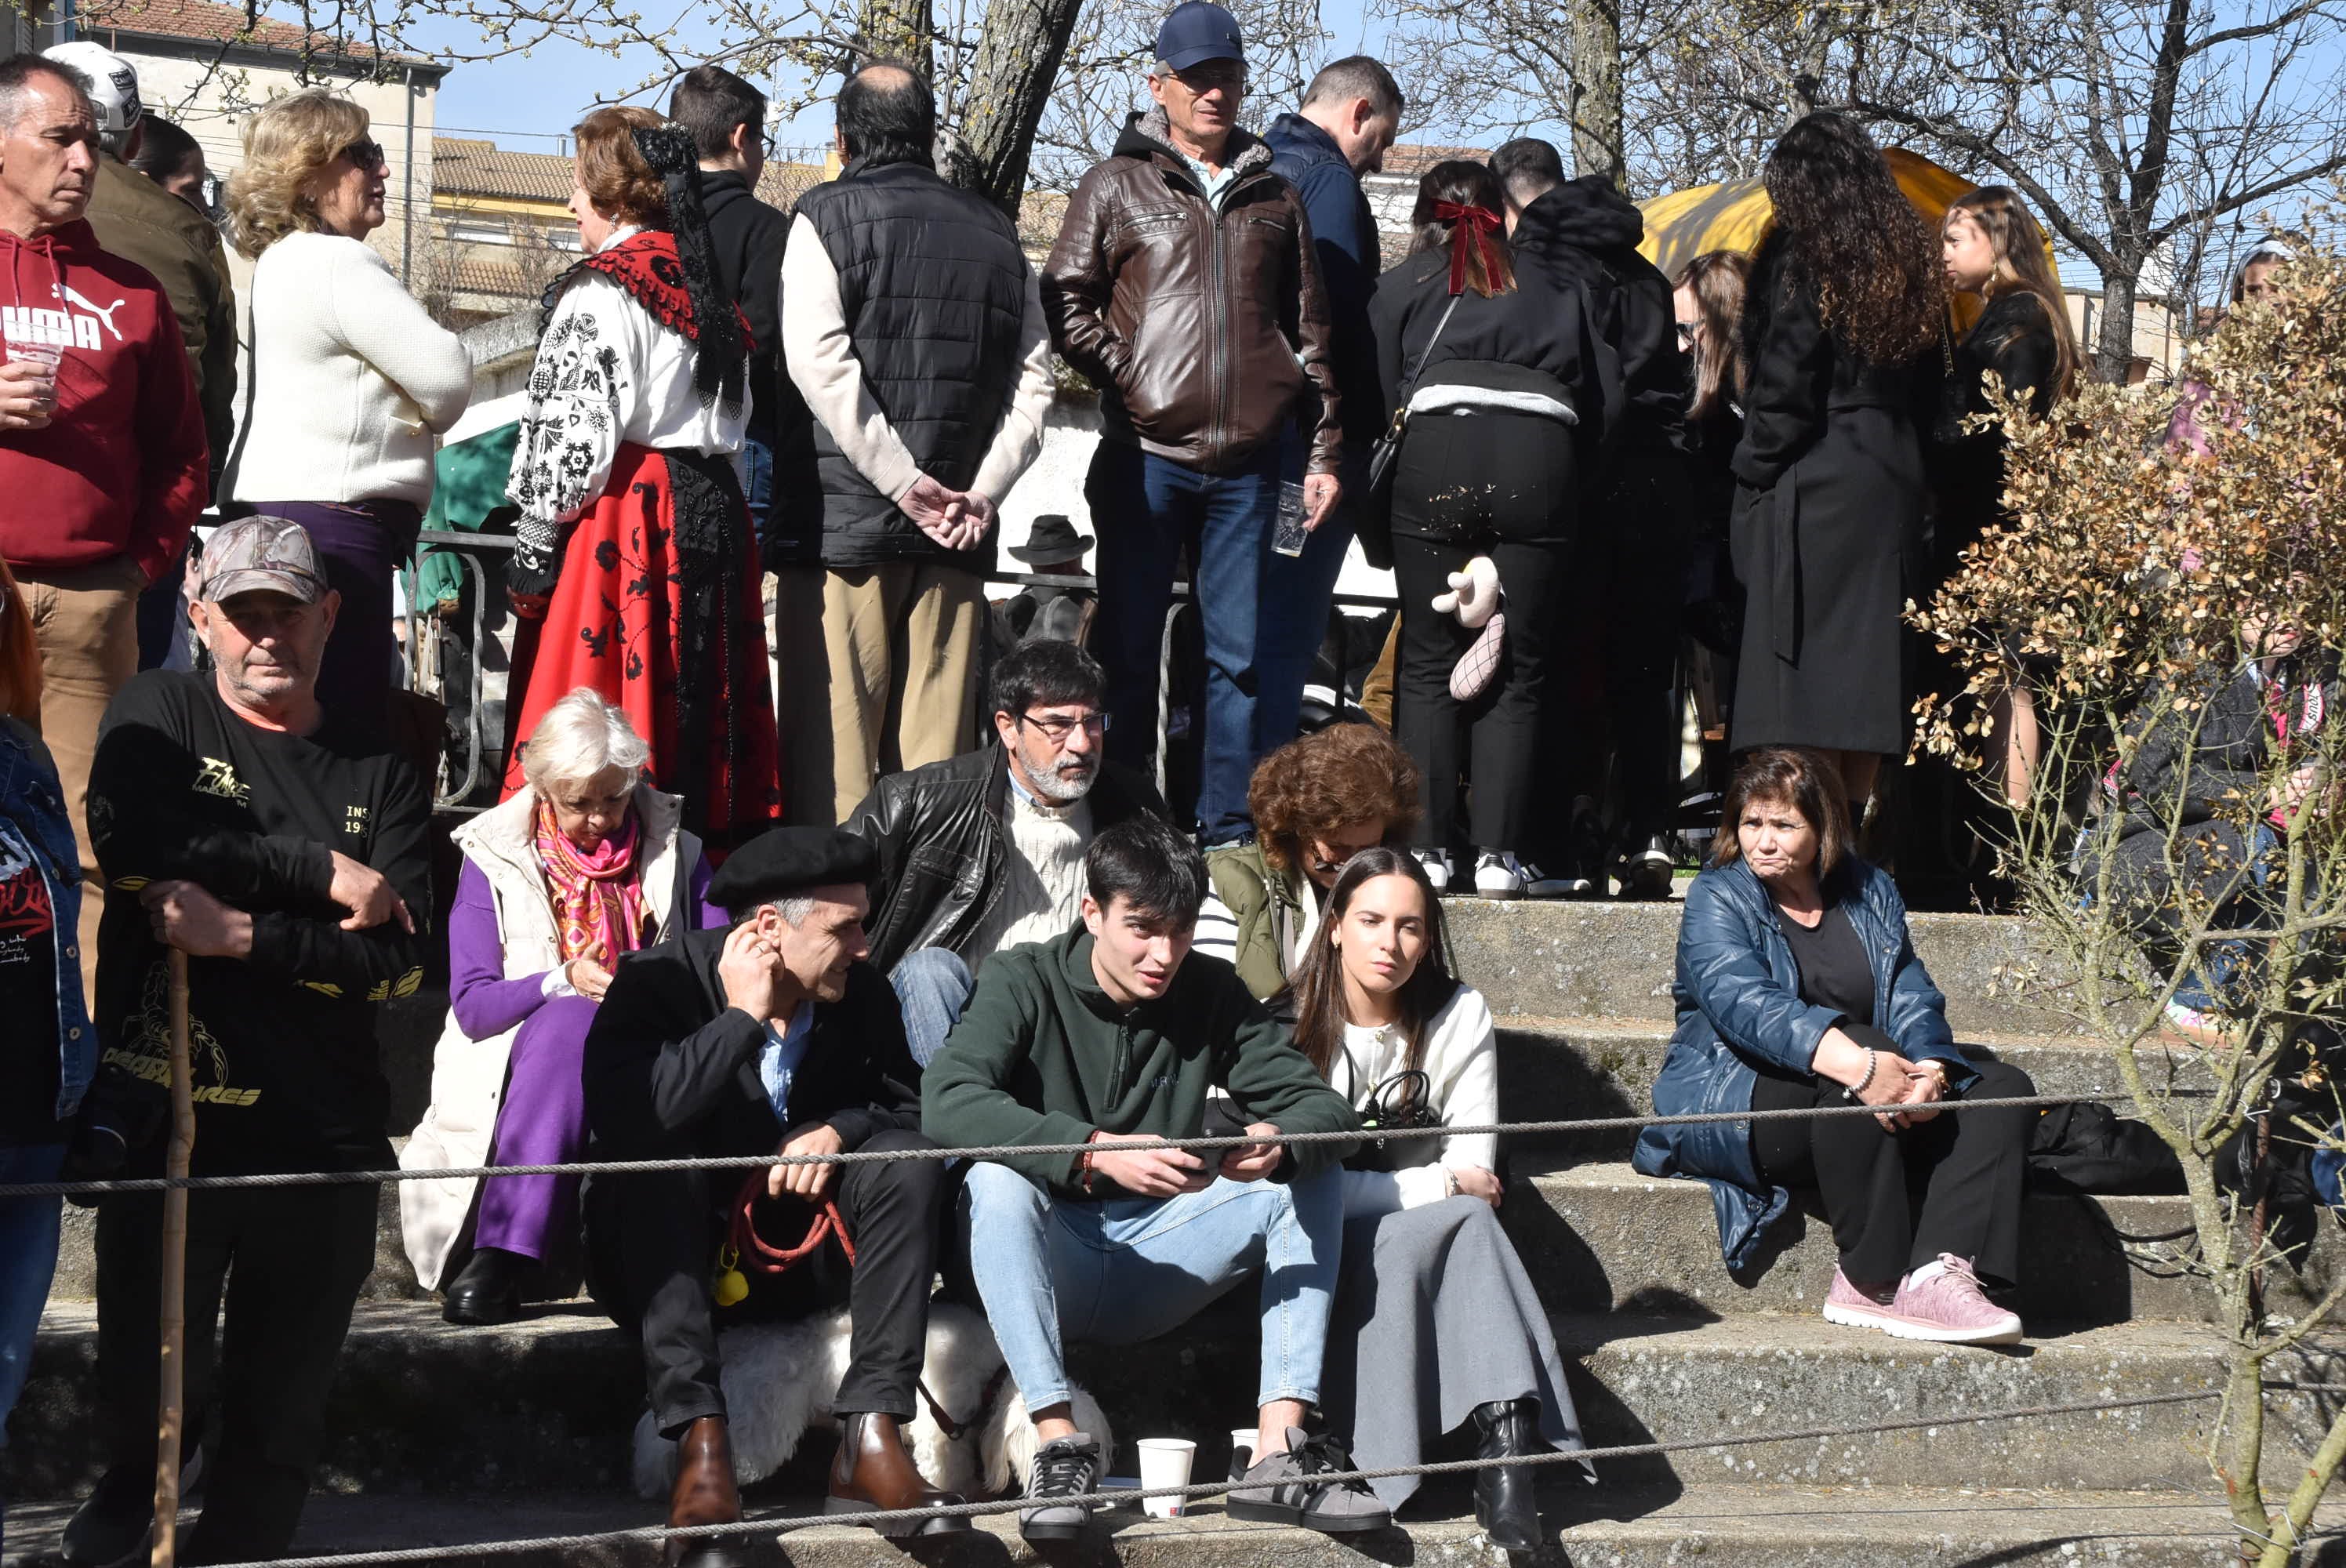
(1433, 1311)
(352, 381)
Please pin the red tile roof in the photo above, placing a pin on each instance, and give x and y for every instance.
(1410, 159)
(209, 23)
(468, 166)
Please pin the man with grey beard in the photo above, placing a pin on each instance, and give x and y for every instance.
(985, 851)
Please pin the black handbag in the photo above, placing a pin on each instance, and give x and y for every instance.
(1401, 1104)
(1382, 455)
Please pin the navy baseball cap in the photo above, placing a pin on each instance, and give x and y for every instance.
(1196, 31)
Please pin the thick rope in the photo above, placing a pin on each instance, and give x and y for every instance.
(657, 1534)
(984, 1152)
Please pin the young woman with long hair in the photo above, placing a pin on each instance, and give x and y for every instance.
(1707, 295)
(1492, 370)
(1992, 246)
(1433, 1310)
(1845, 292)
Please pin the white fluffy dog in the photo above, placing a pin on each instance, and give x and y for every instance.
(779, 1380)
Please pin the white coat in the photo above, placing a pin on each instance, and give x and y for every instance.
(468, 1075)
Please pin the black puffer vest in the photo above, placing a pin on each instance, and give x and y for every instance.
(932, 283)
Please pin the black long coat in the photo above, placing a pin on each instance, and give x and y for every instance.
(1828, 515)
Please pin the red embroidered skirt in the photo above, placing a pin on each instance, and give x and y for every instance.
(657, 607)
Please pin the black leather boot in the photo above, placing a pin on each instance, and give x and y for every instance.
(488, 1292)
(1505, 1503)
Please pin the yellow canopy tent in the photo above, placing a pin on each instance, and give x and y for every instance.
(1732, 216)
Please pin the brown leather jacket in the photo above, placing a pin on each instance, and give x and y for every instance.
(1205, 329)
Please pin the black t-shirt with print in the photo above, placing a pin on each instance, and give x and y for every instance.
(286, 1069)
(28, 996)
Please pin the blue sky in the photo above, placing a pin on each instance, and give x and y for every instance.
(525, 103)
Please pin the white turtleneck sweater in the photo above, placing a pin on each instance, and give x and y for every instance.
(1042, 887)
(1462, 1070)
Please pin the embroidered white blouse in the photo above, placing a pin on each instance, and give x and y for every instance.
(1462, 1070)
(606, 372)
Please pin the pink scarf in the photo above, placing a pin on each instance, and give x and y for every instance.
(598, 900)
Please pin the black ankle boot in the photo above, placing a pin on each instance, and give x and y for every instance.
(1505, 1504)
(488, 1292)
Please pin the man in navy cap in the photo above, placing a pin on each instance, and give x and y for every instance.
(1184, 287)
(776, 1034)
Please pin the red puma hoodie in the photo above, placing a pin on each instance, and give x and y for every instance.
(120, 467)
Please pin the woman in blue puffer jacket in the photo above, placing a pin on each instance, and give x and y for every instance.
(47, 1048)
(1798, 987)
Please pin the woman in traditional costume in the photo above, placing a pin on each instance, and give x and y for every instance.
(635, 570)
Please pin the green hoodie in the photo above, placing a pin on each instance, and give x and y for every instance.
(1042, 1055)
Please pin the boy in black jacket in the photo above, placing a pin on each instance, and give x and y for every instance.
(775, 1035)
(238, 822)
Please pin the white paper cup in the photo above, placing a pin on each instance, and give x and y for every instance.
(1165, 1461)
(1242, 1449)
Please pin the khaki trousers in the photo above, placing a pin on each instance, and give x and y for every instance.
(878, 674)
(86, 624)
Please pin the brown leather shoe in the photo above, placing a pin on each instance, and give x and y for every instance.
(874, 1473)
(705, 1494)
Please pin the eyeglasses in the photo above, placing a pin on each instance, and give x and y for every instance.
(366, 153)
(1687, 332)
(1056, 729)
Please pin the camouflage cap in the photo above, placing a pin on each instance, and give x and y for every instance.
(270, 553)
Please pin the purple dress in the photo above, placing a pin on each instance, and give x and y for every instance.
(543, 1118)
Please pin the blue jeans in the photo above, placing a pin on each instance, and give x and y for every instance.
(1148, 509)
(933, 985)
(28, 1257)
(1051, 1270)
(757, 482)
(1301, 587)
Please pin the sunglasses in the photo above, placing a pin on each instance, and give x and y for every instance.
(366, 153)
(1687, 332)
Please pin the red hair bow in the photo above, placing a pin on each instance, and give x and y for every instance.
(1469, 225)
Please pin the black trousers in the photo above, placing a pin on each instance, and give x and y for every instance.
(1898, 1199)
(1643, 609)
(292, 1262)
(1502, 485)
(655, 1239)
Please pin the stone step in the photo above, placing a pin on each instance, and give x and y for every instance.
(1749, 1526)
(1559, 1069)
(421, 1407)
(1612, 959)
(1597, 1237)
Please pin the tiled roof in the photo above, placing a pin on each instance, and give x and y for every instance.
(209, 23)
(1408, 161)
(468, 166)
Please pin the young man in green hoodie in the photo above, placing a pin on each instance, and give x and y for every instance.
(1107, 1035)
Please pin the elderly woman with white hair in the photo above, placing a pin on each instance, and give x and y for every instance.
(582, 866)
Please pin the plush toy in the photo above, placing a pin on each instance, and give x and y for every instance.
(1475, 599)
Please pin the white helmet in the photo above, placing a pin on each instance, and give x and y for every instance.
(113, 84)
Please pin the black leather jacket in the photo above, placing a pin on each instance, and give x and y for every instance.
(938, 829)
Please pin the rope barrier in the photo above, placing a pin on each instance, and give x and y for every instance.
(988, 1151)
(656, 1534)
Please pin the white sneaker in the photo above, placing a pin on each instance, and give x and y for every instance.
(1498, 876)
(1439, 869)
(1538, 884)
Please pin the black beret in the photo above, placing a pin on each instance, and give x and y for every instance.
(783, 862)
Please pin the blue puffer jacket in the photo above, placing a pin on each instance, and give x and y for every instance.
(1737, 993)
(35, 805)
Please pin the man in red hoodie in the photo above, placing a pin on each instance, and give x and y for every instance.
(102, 446)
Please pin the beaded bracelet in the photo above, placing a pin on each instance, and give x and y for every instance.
(1872, 1060)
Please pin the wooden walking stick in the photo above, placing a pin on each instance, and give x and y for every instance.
(171, 1418)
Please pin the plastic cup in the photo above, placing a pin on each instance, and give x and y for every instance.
(1287, 537)
(47, 355)
(1242, 1449)
(1165, 1461)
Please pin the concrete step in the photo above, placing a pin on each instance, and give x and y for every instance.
(1557, 1069)
(1760, 1526)
(1610, 960)
(548, 1402)
(1598, 1236)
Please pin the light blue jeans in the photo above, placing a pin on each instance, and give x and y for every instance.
(1051, 1271)
(28, 1258)
(932, 986)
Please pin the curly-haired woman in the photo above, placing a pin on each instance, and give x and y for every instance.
(1845, 292)
(634, 572)
(352, 381)
(1316, 803)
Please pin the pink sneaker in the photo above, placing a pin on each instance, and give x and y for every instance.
(1859, 1305)
(1942, 1302)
